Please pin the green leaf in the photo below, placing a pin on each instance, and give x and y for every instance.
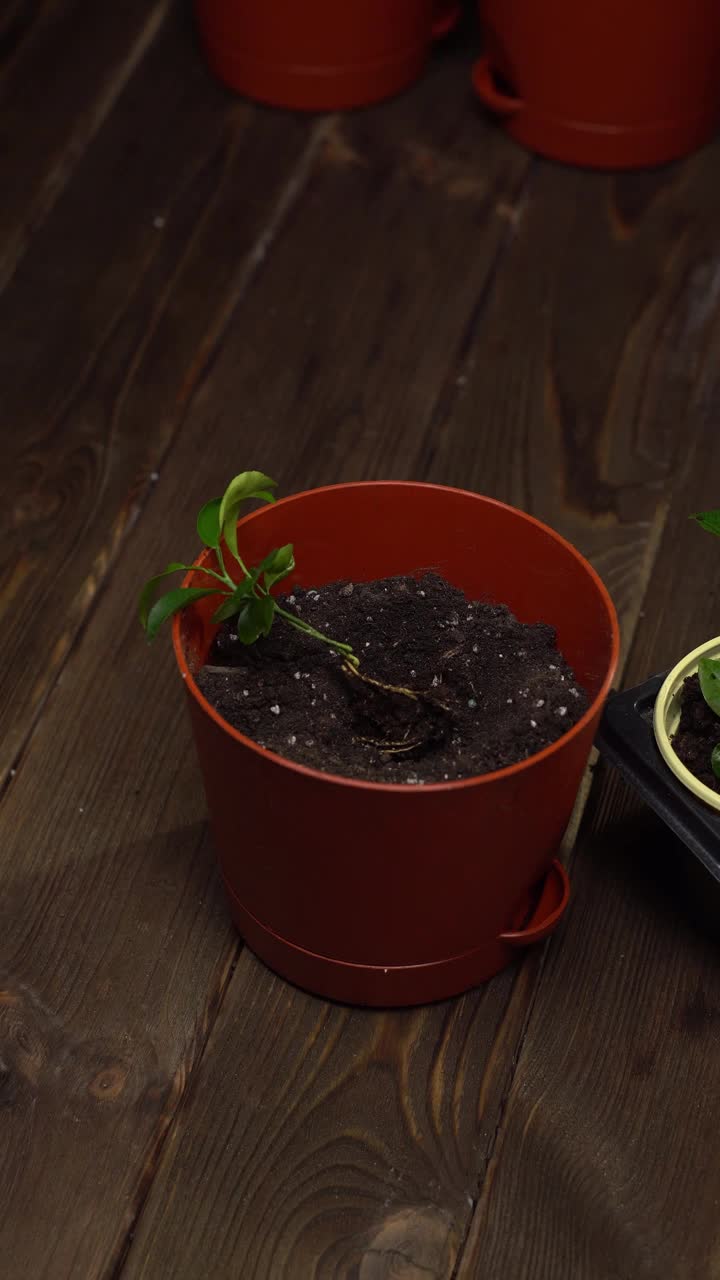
(171, 603)
(208, 522)
(233, 602)
(255, 619)
(148, 591)
(277, 565)
(249, 484)
(709, 520)
(715, 760)
(709, 676)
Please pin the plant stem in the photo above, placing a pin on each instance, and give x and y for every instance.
(337, 645)
(226, 581)
(242, 564)
(226, 576)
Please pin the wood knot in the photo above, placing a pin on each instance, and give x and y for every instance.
(21, 1045)
(419, 1241)
(109, 1083)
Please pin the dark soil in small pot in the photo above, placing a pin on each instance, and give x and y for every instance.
(697, 734)
(489, 691)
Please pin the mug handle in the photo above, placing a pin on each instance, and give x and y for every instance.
(502, 104)
(548, 912)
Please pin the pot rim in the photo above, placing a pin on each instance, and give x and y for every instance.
(401, 788)
(687, 666)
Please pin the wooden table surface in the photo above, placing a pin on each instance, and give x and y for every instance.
(190, 286)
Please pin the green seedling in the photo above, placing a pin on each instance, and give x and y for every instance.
(249, 602)
(709, 668)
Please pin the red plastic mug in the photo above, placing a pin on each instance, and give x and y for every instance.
(607, 84)
(320, 55)
(379, 893)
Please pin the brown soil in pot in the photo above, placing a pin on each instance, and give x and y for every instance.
(491, 690)
(697, 733)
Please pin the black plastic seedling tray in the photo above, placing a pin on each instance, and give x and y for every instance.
(626, 739)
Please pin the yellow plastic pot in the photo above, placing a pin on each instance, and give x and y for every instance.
(666, 718)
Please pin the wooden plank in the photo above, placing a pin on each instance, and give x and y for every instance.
(113, 944)
(63, 65)
(607, 1166)
(323, 1141)
(606, 1163)
(110, 321)
(299, 1151)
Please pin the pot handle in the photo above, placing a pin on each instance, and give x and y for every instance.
(548, 912)
(503, 104)
(445, 20)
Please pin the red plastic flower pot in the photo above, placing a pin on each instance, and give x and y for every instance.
(384, 894)
(610, 84)
(320, 55)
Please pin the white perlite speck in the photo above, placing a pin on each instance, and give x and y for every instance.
(562, 711)
(296, 675)
(291, 599)
(475, 648)
(534, 724)
(246, 693)
(435, 681)
(540, 702)
(292, 739)
(574, 693)
(275, 710)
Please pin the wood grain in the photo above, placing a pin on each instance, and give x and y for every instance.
(579, 388)
(66, 64)
(112, 319)
(607, 1166)
(301, 1178)
(402, 293)
(114, 948)
(321, 1141)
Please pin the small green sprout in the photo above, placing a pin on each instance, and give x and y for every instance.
(709, 668)
(708, 520)
(248, 601)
